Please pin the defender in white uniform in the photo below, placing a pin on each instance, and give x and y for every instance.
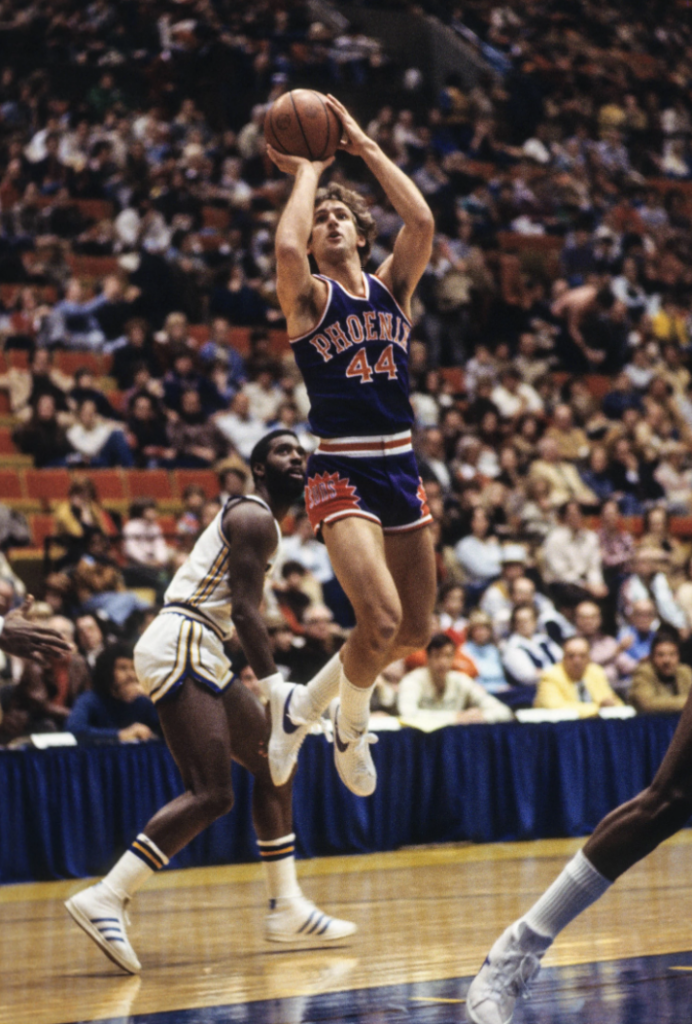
(209, 719)
(187, 637)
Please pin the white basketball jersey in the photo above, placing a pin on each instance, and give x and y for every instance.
(201, 585)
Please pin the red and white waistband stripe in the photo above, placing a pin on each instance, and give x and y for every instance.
(364, 447)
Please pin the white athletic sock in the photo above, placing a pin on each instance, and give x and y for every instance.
(579, 885)
(278, 858)
(135, 867)
(310, 701)
(355, 707)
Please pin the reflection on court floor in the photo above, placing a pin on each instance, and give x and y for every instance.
(645, 990)
(426, 919)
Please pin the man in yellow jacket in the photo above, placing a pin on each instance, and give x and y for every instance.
(575, 682)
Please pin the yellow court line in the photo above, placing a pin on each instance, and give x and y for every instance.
(434, 999)
(680, 968)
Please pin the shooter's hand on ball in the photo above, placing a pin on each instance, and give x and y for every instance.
(353, 138)
(292, 164)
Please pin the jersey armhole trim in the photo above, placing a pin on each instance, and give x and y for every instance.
(389, 293)
(293, 341)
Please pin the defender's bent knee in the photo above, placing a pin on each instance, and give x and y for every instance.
(216, 802)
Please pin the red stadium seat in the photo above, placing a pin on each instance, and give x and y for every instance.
(92, 266)
(70, 362)
(47, 485)
(215, 217)
(41, 525)
(204, 478)
(199, 333)
(6, 443)
(681, 526)
(96, 209)
(149, 483)
(109, 484)
(11, 485)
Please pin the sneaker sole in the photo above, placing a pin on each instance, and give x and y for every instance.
(312, 940)
(80, 918)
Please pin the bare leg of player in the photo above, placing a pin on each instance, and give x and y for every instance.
(199, 738)
(410, 567)
(357, 551)
(411, 561)
(624, 837)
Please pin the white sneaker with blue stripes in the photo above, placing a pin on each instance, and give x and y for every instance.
(103, 916)
(297, 919)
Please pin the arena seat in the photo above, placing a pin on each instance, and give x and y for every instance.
(70, 362)
(6, 443)
(199, 333)
(42, 525)
(167, 524)
(11, 485)
(47, 485)
(92, 266)
(96, 209)
(598, 384)
(110, 485)
(204, 478)
(149, 483)
(215, 217)
(18, 358)
(681, 526)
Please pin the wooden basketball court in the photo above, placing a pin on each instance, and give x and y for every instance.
(426, 920)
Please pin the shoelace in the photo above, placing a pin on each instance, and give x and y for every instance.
(518, 983)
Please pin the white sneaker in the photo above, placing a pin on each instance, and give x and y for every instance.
(297, 919)
(512, 963)
(287, 735)
(352, 757)
(103, 916)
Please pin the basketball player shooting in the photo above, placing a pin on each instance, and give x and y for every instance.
(349, 332)
(209, 718)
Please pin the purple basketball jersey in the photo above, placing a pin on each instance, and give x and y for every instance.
(355, 364)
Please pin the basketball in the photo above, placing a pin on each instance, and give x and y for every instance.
(301, 124)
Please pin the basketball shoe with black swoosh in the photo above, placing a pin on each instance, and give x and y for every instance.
(289, 729)
(352, 757)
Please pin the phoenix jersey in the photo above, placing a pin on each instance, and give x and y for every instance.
(355, 363)
(201, 588)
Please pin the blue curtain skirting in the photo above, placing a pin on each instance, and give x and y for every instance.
(69, 812)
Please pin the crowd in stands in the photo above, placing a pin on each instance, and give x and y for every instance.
(550, 354)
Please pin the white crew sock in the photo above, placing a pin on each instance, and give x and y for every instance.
(579, 885)
(135, 867)
(354, 712)
(310, 701)
(278, 858)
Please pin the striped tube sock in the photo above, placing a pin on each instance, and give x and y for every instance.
(278, 857)
(354, 712)
(135, 867)
(579, 885)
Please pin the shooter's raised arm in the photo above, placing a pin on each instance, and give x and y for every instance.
(402, 270)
